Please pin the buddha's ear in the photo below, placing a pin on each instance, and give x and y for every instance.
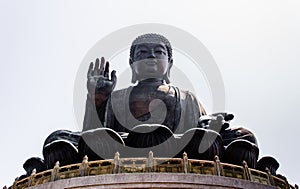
(133, 77)
(130, 61)
(170, 63)
(167, 75)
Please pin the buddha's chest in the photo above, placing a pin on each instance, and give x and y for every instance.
(144, 100)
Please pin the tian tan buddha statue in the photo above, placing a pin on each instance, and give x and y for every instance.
(150, 115)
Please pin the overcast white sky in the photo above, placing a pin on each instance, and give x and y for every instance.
(254, 43)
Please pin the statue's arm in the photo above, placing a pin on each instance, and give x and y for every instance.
(92, 116)
(197, 105)
(99, 89)
(191, 111)
(196, 110)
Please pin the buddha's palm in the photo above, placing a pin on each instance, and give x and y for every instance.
(98, 83)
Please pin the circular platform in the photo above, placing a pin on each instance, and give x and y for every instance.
(152, 180)
(150, 173)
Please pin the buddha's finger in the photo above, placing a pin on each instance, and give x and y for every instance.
(96, 68)
(102, 66)
(106, 70)
(90, 71)
(113, 76)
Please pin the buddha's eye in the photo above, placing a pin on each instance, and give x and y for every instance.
(160, 52)
(141, 52)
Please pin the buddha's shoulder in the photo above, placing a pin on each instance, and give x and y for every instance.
(176, 91)
(185, 93)
(120, 92)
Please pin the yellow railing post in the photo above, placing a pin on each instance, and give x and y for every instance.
(185, 162)
(117, 163)
(270, 178)
(31, 178)
(150, 162)
(247, 171)
(84, 166)
(54, 174)
(15, 183)
(218, 165)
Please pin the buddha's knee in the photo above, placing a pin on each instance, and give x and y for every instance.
(202, 144)
(155, 137)
(61, 146)
(232, 134)
(241, 150)
(98, 144)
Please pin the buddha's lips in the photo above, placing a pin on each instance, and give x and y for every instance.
(151, 62)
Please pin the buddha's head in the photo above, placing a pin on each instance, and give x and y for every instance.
(151, 58)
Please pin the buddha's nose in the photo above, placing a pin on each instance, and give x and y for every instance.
(151, 54)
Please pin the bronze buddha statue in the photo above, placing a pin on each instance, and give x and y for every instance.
(151, 60)
(150, 113)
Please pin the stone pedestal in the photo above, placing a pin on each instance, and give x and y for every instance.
(152, 180)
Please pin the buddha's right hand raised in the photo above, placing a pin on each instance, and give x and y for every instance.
(98, 83)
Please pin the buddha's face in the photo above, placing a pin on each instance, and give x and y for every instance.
(150, 60)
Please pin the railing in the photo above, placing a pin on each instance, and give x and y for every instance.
(151, 164)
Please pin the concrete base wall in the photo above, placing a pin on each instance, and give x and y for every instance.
(152, 180)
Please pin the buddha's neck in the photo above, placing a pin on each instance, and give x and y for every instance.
(151, 81)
